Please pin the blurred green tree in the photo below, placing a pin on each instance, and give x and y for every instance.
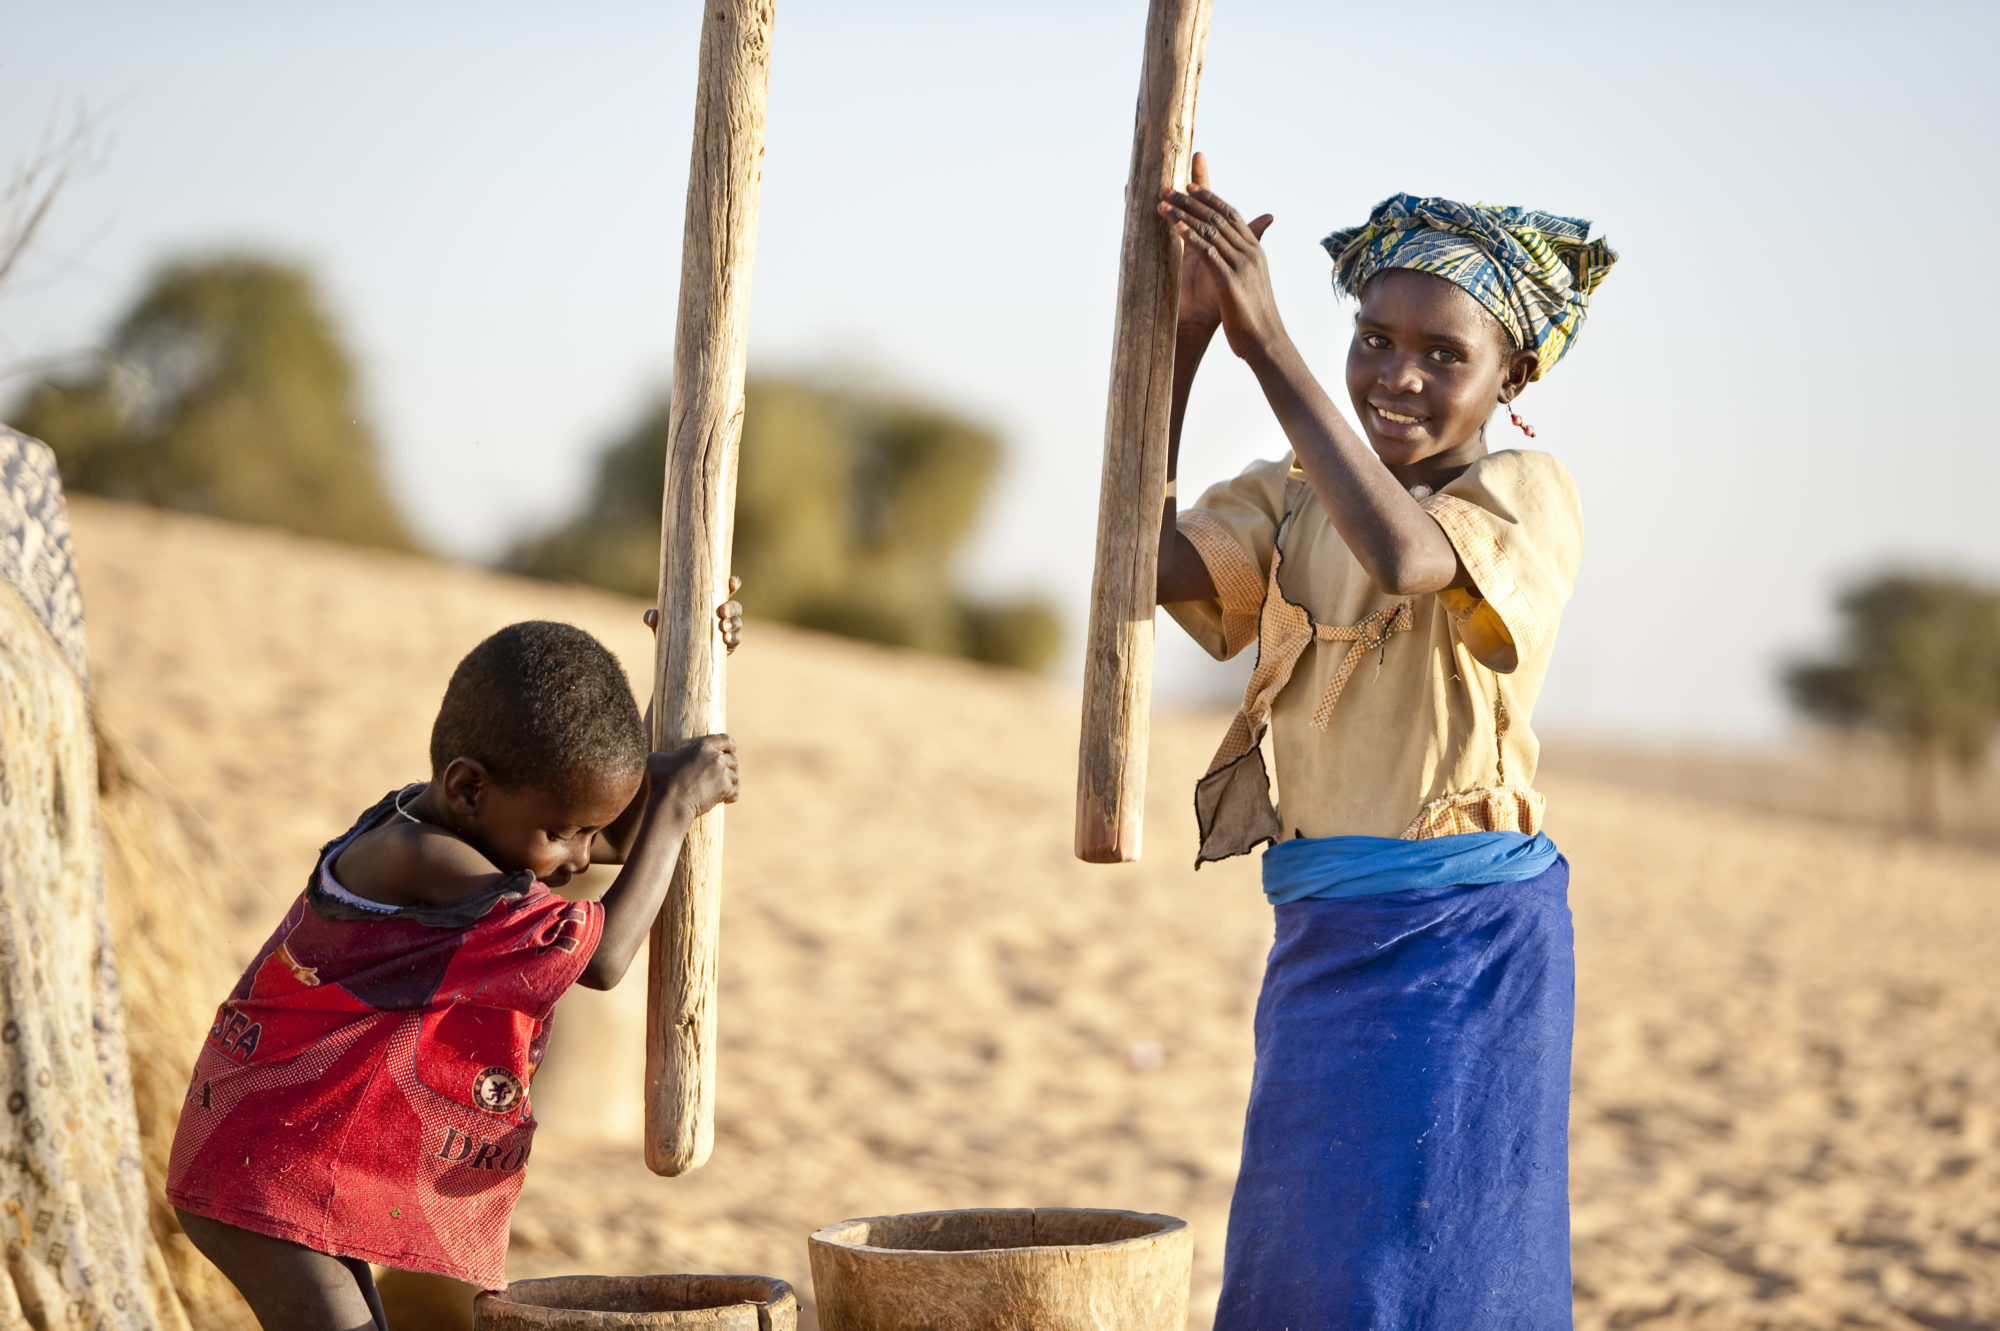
(225, 391)
(849, 508)
(1918, 661)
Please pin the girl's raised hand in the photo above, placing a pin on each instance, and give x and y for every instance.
(1224, 276)
(1200, 307)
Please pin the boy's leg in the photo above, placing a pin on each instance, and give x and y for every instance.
(364, 1276)
(289, 1287)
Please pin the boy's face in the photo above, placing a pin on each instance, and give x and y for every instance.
(544, 832)
(1426, 368)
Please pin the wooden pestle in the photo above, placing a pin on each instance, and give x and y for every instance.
(697, 523)
(1118, 658)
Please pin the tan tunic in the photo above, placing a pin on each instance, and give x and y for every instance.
(1392, 717)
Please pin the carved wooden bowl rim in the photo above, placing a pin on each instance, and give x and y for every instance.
(842, 1234)
(719, 1293)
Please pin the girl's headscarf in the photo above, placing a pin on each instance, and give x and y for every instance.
(1534, 272)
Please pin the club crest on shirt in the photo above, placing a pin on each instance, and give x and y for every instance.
(496, 1090)
(306, 975)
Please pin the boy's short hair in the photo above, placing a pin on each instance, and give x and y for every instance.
(539, 704)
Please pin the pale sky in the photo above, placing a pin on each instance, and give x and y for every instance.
(1777, 386)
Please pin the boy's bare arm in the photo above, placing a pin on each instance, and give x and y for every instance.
(679, 787)
(613, 844)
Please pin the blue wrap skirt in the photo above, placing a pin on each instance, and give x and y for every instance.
(1405, 1155)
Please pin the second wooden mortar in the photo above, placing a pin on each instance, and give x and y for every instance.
(639, 1303)
(1050, 1269)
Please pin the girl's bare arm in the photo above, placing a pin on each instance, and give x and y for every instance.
(1198, 313)
(1403, 550)
(1182, 574)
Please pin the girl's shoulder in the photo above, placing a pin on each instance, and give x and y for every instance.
(1263, 483)
(1524, 484)
(1519, 468)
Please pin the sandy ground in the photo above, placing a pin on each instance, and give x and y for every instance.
(1788, 1055)
(1860, 781)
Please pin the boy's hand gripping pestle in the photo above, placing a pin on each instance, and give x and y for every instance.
(1118, 660)
(718, 242)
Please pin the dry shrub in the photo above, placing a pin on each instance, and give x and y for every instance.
(851, 508)
(225, 390)
(165, 881)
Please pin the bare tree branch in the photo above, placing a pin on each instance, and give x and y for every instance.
(32, 190)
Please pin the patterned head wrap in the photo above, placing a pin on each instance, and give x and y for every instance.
(1534, 272)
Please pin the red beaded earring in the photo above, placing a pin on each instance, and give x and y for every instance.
(1520, 424)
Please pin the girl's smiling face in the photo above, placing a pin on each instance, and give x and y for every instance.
(1426, 368)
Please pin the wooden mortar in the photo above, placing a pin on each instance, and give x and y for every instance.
(1048, 1269)
(596, 1303)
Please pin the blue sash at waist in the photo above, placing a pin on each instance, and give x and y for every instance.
(1366, 866)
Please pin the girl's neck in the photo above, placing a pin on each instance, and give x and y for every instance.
(1442, 468)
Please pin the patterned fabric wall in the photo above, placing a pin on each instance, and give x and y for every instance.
(73, 1220)
(35, 556)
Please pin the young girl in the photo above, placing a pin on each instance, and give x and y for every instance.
(1405, 1150)
(363, 1094)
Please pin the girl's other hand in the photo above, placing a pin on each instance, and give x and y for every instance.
(1200, 307)
(1224, 276)
(697, 775)
(729, 619)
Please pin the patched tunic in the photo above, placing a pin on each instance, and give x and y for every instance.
(364, 1090)
(1390, 716)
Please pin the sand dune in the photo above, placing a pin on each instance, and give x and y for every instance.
(1788, 1055)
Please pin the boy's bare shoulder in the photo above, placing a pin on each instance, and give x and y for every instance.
(412, 864)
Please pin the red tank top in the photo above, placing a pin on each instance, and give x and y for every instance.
(364, 1090)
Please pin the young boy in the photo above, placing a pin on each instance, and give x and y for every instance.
(1404, 1152)
(363, 1094)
